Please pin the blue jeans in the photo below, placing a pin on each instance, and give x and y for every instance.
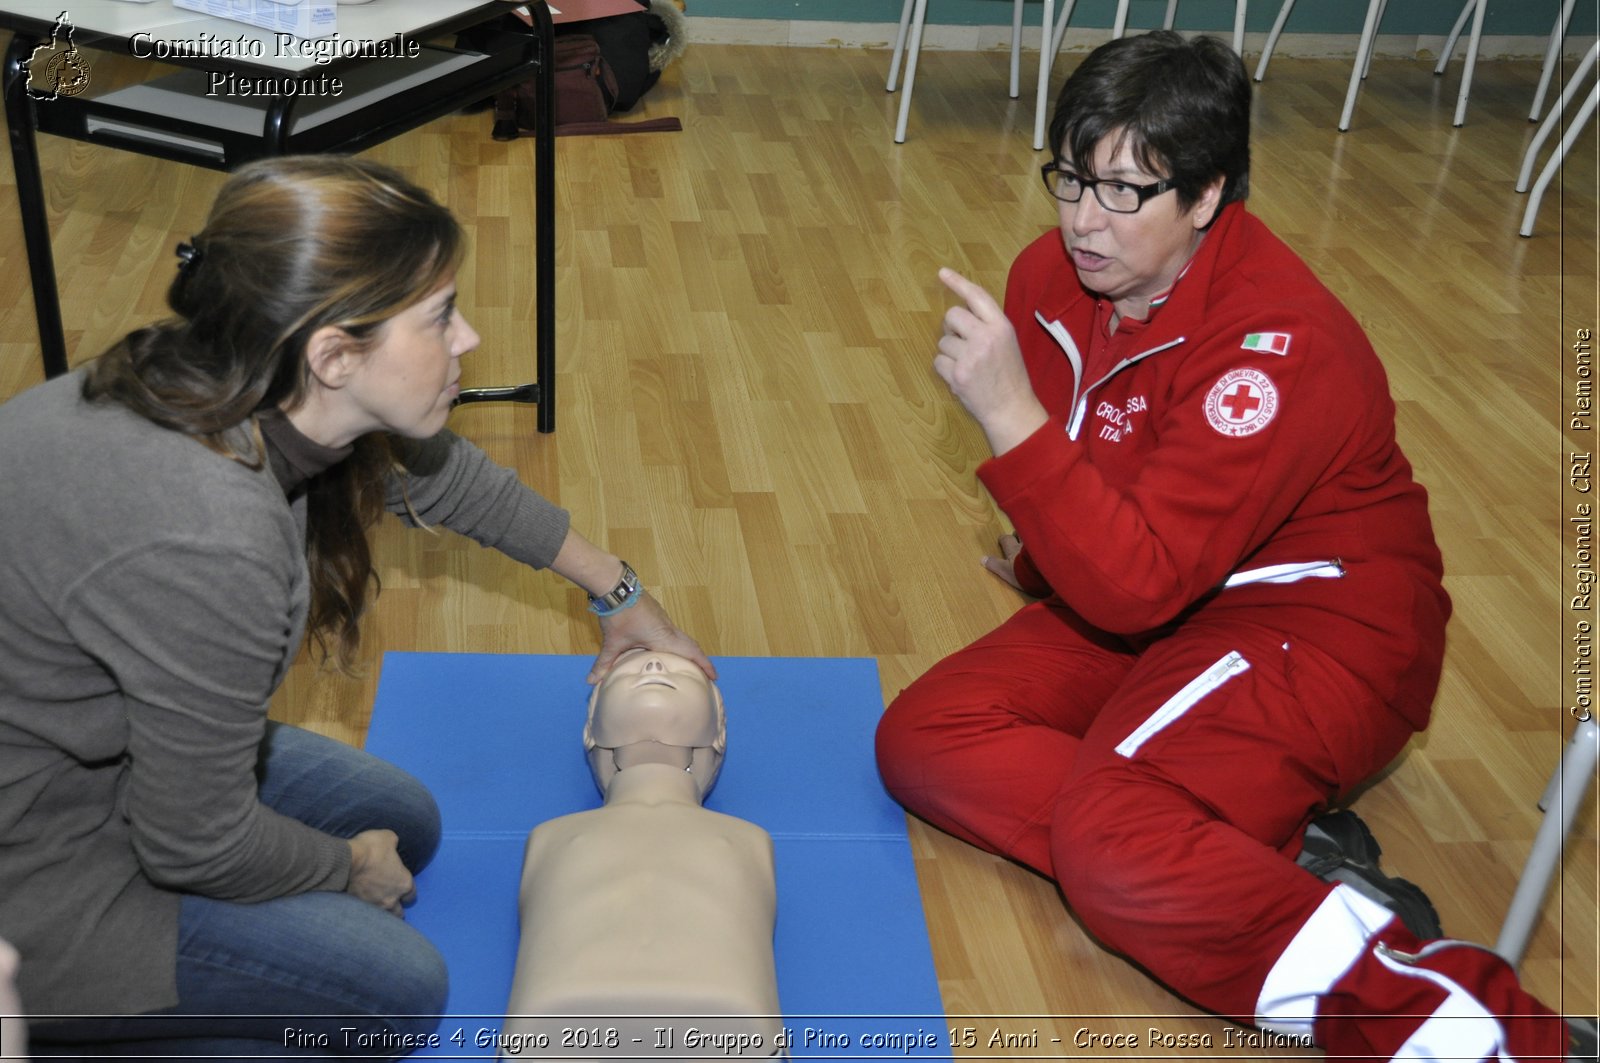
(315, 974)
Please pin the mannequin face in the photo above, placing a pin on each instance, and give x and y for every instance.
(659, 708)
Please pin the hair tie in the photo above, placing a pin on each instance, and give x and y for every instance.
(189, 255)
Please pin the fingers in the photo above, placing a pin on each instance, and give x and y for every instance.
(377, 874)
(683, 646)
(603, 662)
(403, 891)
(1002, 569)
(699, 657)
(973, 294)
(645, 625)
(405, 900)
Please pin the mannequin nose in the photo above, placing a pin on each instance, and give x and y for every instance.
(653, 664)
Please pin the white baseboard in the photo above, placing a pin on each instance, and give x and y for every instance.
(800, 33)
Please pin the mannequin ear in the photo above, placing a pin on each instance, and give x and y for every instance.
(719, 743)
(331, 356)
(589, 741)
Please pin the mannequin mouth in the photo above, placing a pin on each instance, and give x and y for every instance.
(656, 681)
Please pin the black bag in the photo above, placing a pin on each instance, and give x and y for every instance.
(601, 66)
(584, 89)
(624, 42)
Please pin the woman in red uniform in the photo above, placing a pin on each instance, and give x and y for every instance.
(1240, 616)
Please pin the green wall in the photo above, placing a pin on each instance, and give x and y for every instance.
(1420, 17)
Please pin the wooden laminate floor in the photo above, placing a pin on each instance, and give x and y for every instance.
(747, 313)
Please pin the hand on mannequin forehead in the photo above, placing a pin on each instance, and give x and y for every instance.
(650, 913)
(660, 708)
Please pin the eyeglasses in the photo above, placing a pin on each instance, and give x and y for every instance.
(1120, 197)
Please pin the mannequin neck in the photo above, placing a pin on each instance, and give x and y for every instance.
(653, 784)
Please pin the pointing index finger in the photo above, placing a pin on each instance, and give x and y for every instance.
(979, 301)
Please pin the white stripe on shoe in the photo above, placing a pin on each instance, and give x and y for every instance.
(1327, 946)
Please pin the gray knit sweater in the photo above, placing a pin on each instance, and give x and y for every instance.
(152, 595)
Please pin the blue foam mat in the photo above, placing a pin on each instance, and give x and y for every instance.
(498, 739)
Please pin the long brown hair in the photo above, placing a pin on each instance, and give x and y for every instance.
(292, 244)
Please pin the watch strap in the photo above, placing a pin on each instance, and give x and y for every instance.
(626, 593)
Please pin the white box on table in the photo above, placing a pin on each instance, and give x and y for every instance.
(303, 18)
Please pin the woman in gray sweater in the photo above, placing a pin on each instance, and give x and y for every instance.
(176, 518)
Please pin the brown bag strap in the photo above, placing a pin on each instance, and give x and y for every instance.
(649, 125)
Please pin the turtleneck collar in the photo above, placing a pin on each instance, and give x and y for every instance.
(294, 457)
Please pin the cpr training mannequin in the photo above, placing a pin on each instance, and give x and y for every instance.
(647, 923)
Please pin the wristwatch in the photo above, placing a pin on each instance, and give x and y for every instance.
(627, 592)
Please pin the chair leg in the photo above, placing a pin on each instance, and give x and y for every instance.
(1570, 785)
(1550, 168)
(1047, 56)
(1171, 19)
(1449, 48)
(1366, 67)
(1040, 116)
(899, 46)
(1369, 33)
(1122, 19)
(1552, 55)
(1472, 63)
(1061, 29)
(1568, 91)
(1272, 38)
(919, 14)
(1016, 49)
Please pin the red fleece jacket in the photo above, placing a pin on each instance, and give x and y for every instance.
(1247, 424)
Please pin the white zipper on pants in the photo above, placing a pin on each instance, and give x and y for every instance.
(1184, 700)
(1292, 573)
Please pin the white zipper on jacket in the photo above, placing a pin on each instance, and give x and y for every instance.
(1080, 395)
(1291, 573)
(1069, 347)
(1184, 700)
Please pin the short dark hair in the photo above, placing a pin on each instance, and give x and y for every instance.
(1184, 105)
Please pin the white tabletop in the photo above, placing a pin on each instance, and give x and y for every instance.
(158, 21)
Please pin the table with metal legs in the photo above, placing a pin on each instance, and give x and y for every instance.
(177, 117)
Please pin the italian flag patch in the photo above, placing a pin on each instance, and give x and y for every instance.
(1267, 342)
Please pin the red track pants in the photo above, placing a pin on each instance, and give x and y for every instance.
(1166, 792)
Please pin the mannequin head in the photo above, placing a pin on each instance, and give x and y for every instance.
(655, 708)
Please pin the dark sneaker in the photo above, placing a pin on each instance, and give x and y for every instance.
(1340, 848)
(1581, 1040)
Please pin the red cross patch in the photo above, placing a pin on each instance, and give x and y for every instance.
(1242, 403)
